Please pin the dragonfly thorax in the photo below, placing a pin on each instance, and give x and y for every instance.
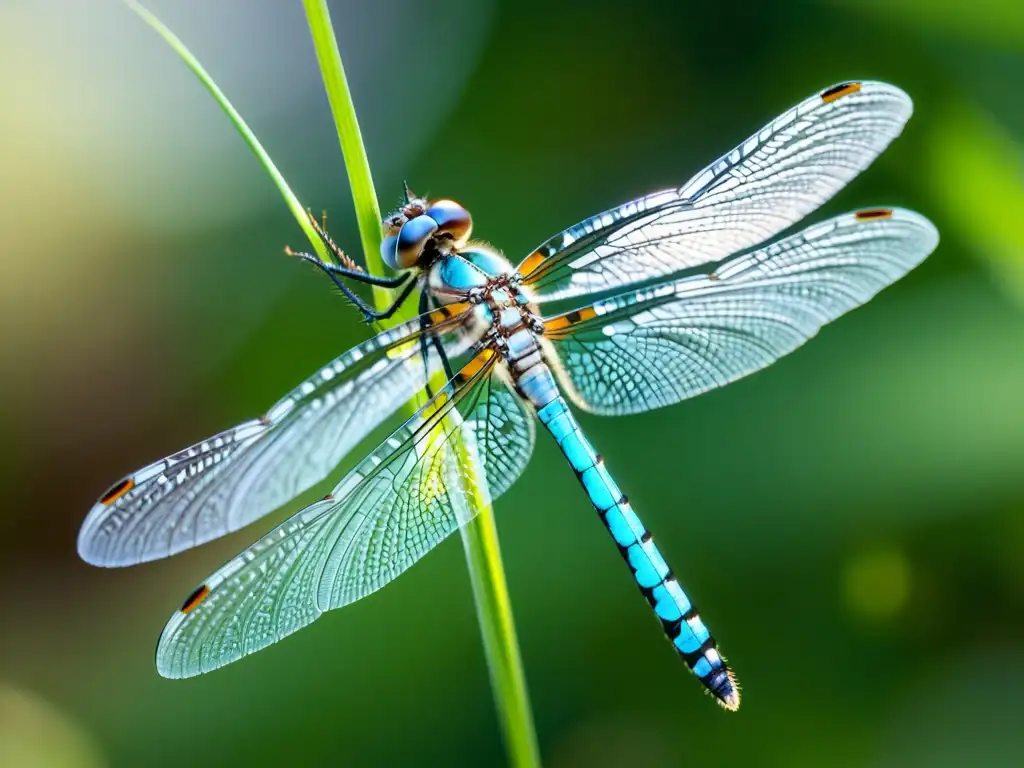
(489, 281)
(471, 269)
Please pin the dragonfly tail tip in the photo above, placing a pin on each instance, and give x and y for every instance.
(729, 694)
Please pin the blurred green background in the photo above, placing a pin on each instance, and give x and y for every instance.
(851, 521)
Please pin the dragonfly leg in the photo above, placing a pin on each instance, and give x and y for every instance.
(424, 342)
(398, 302)
(369, 313)
(363, 277)
(348, 268)
(444, 357)
(439, 348)
(351, 274)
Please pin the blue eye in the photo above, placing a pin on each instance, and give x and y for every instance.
(389, 251)
(403, 250)
(451, 218)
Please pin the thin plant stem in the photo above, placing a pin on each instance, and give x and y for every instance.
(497, 627)
(240, 125)
(364, 197)
(480, 535)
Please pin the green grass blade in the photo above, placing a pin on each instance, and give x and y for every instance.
(364, 197)
(480, 536)
(498, 631)
(257, 149)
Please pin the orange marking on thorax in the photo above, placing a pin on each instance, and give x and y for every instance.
(195, 598)
(838, 91)
(117, 491)
(873, 213)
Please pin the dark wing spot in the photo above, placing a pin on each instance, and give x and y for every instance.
(874, 213)
(117, 491)
(195, 598)
(838, 91)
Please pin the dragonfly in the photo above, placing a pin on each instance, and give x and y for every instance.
(671, 295)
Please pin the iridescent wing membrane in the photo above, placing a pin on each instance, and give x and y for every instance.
(656, 346)
(229, 480)
(766, 184)
(389, 511)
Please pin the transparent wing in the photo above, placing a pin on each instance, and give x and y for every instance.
(393, 507)
(503, 432)
(767, 183)
(395, 514)
(657, 346)
(229, 480)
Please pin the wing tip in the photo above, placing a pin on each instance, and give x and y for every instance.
(96, 551)
(89, 550)
(164, 656)
(870, 88)
(166, 672)
(926, 236)
(905, 215)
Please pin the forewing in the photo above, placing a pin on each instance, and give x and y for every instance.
(392, 508)
(228, 481)
(657, 346)
(766, 184)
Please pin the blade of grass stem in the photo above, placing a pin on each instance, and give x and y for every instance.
(364, 197)
(240, 125)
(480, 536)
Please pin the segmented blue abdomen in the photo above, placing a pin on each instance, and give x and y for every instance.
(678, 616)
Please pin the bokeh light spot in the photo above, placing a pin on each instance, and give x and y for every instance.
(876, 583)
(34, 734)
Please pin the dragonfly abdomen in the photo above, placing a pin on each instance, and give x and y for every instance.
(679, 618)
(533, 379)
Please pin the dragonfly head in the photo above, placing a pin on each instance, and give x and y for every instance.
(421, 230)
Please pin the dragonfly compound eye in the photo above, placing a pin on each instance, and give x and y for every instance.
(389, 251)
(402, 251)
(451, 218)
